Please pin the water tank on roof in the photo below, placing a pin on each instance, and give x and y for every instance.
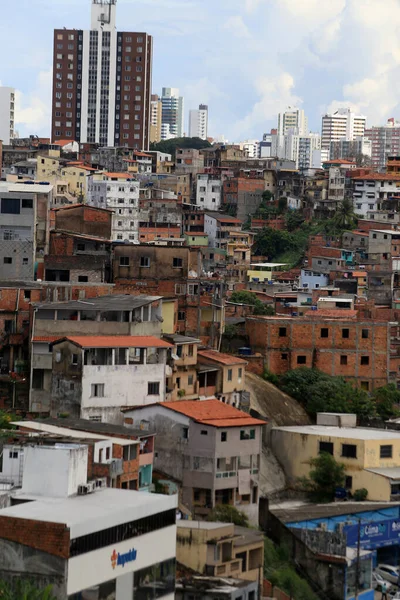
(245, 351)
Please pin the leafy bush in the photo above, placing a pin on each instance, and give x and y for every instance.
(360, 495)
(325, 476)
(250, 298)
(271, 377)
(385, 399)
(225, 513)
(21, 589)
(279, 571)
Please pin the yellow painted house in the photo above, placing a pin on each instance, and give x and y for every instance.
(371, 456)
(260, 272)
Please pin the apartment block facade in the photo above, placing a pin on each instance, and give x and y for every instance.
(102, 83)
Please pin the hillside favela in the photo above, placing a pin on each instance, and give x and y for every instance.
(200, 300)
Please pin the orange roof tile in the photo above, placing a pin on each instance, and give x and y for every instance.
(212, 412)
(220, 357)
(119, 175)
(194, 233)
(63, 142)
(379, 177)
(340, 161)
(116, 341)
(45, 338)
(359, 273)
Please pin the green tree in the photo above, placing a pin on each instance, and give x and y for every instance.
(297, 382)
(387, 400)
(245, 297)
(22, 589)
(226, 513)
(6, 419)
(267, 196)
(282, 204)
(326, 475)
(294, 219)
(170, 146)
(345, 215)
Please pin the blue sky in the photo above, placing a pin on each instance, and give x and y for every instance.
(247, 59)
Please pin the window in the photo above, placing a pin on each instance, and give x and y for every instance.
(190, 379)
(7, 260)
(365, 386)
(282, 332)
(185, 433)
(326, 447)
(83, 279)
(10, 206)
(124, 261)
(177, 263)
(324, 332)
(27, 203)
(345, 333)
(229, 374)
(204, 432)
(224, 436)
(37, 379)
(181, 315)
(74, 359)
(349, 450)
(247, 434)
(365, 334)
(301, 360)
(13, 454)
(284, 356)
(365, 360)
(97, 390)
(153, 388)
(343, 359)
(386, 451)
(240, 372)
(145, 261)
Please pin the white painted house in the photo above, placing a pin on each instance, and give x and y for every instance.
(95, 376)
(371, 191)
(209, 191)
(118, 192)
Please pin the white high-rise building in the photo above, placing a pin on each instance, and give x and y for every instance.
(172, 113)
(341, 125)
(198, 122)
(7, 101)
(292, 118)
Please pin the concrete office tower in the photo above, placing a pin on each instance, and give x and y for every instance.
(102, 83)
(385, 141)
(155, 118)
(172, 114)
(7, 99)
(292, 119)
(198, 122)
(341, 125)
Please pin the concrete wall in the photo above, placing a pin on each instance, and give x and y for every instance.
(54, 470)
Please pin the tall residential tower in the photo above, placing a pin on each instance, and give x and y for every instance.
(102, 83)
(343, 124)
(7, 101)
(198, 122)
(172, 114)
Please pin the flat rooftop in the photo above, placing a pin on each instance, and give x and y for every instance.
(110, 303)
(100, 510)
(293, 512)
(59, 430)
(355, 433)
(105, 429)
(204, 525)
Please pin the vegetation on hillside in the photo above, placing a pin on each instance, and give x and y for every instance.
(319, 392)
(170, 146)
(250, 298)
(326, 475)
(226, 513)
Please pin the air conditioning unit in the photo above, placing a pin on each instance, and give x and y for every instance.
(87, 488)
(91, 485)
(101, 482)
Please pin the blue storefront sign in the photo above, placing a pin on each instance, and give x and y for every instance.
(375, 534)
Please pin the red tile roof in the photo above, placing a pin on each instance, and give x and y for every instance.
(45, 338)
(63, 142)
(220, 357)
(378, 177)
(142, 154)
(340, 161)
(116, 341)
(119, 175)
(212, 412)
(194, 233)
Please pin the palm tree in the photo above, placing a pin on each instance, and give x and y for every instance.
(345, 216)
(21, 589)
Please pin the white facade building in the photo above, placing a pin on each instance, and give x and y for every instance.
(198, 122)
(172, 114)
(118, 192)
(251, 147)
(7, 107)
(111, 372)
(106, 542)
(370, 191)
(208, 192)
(292, 118)
(341, 125)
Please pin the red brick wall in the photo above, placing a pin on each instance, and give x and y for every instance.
(48, 537)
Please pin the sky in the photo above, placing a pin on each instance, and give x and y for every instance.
(246, 59)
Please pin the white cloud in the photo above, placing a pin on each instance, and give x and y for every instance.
(237, 27)
(33, 110)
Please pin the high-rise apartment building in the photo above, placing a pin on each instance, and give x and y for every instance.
(7, 100)
(198, 122)
(155, 118)
(341, 125)
(172, 114)
(292, 118)
(385, 141)
(102, 82)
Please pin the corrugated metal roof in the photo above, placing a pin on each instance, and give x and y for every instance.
(116, 341)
